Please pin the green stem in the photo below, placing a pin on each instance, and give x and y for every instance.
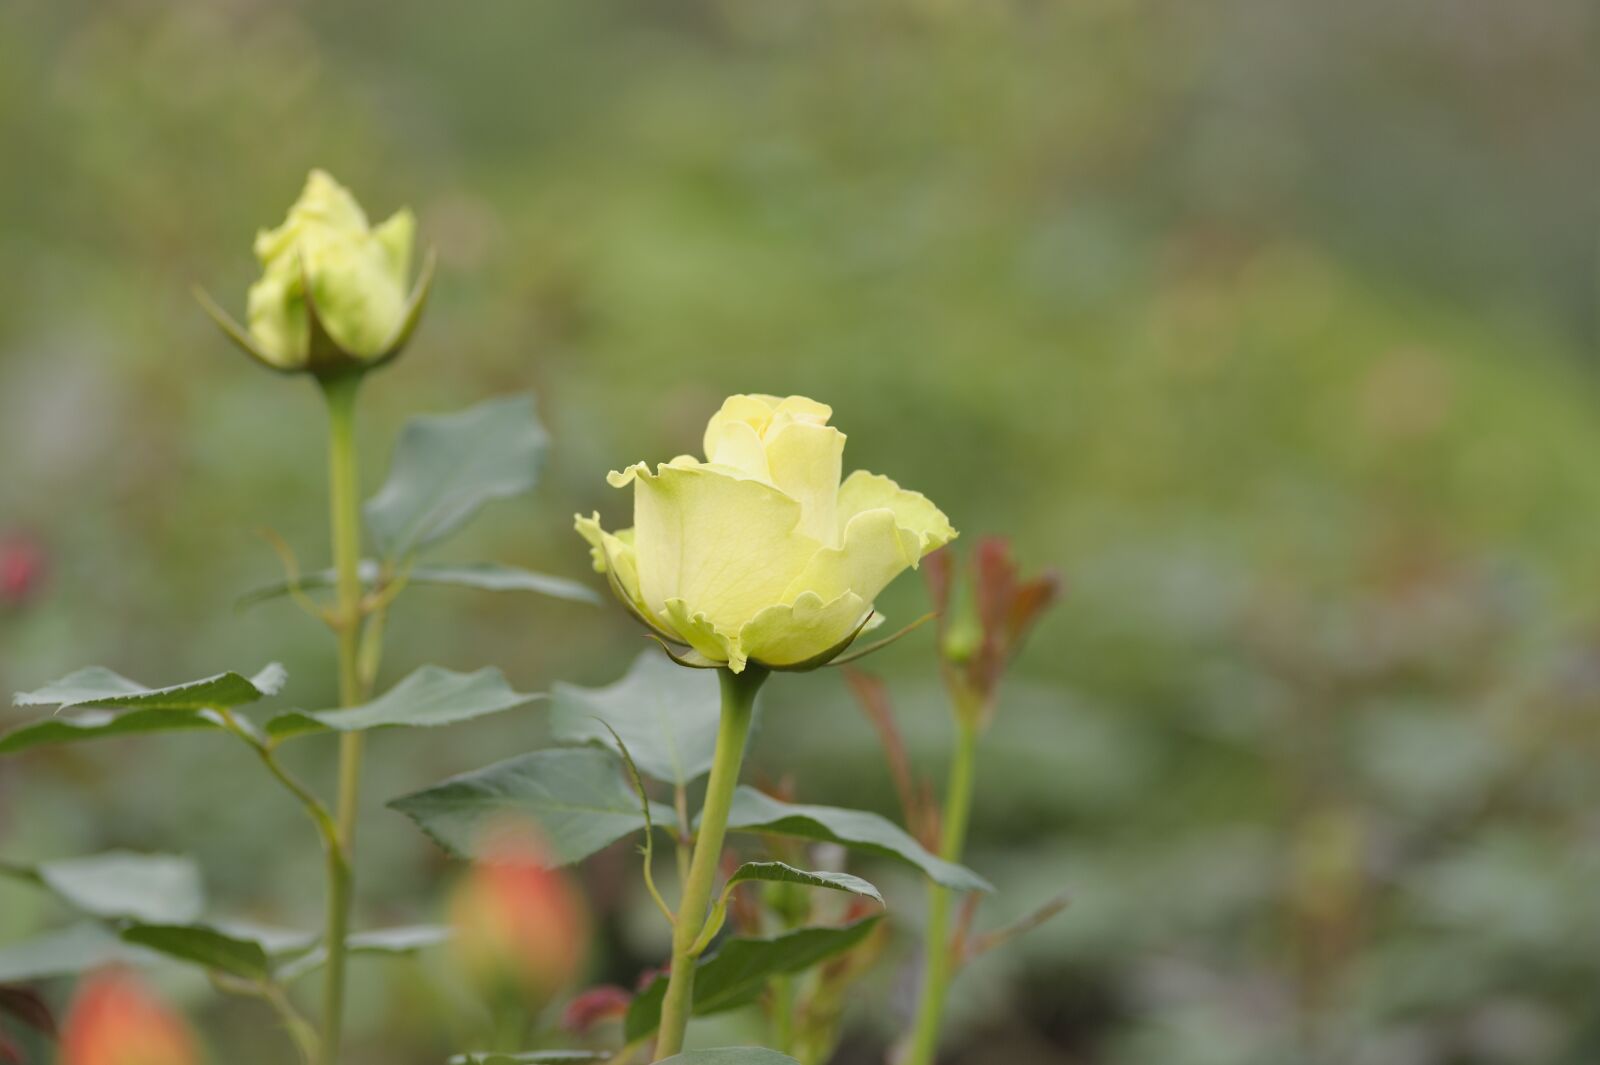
(783, 1014)
(685, 836)
(509, 1024)
(371, 654)
(344, 494)
(937, 969)
(314, 808)
(738, 706)
(299, 1030)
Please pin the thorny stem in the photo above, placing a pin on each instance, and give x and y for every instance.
(937, 962)
(738, 707)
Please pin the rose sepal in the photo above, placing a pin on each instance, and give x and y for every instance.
(871, 621)
(684, 655)
(833, 656)
(324, 357)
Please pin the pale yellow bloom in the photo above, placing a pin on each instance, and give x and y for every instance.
(357, 275)
(760, 554)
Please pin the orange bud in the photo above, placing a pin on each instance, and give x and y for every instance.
(116, 1020)
(521, 929)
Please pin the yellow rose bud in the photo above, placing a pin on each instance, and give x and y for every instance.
(333, 290)
(357, 275)
(760, 554)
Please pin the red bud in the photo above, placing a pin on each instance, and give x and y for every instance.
(521, 929)
(22, 566)
(1004, 609)
(606, 1002)
(116, 1020)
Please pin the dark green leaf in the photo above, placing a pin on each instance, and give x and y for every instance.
(777, 872)
(577, 796)
(666, 715)
(430, 696)
(730, 1056)
(497, 577)
(100, 687)
(754, 812)
(66, 952)
(736, 974)
(277, 941)
(157, 888)
(203, 946)
(486, 576)
(446, 466)
(531, 1057)
(405, 939)
(99, 724)
(395, 941)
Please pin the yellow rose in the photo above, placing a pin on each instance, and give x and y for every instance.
(358, 312)
(760, 554)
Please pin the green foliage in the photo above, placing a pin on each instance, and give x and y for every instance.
(484, 576)
(157, 888)
(577, 796)
(207, 947)
(582, 803)
(100, 724)
(429, 697)
(150, 906)
(394, 942)
(189, 706)
(530, 1057)
(741, 968)
(665, 714)
(860, 830)
(447, 466)
(779, 873)
(730, 1056)
(100, 687)
(66, 951)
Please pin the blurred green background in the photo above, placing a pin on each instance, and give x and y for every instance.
(1271, 325)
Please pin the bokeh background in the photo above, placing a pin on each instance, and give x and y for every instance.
(1270, 325)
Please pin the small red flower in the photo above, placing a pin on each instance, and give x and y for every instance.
(22, 569)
